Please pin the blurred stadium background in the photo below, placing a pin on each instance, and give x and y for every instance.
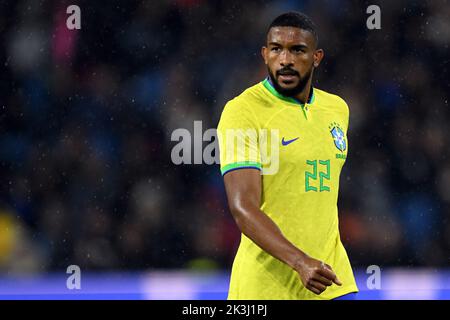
(86, 118)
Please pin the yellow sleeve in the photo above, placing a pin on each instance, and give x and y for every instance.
(346, 112)
(238, 134)
(347, 116)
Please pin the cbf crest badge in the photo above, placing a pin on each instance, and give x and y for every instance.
(338, 136)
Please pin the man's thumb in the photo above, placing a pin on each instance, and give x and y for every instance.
(337, 281)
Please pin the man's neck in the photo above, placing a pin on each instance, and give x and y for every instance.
(303, 96)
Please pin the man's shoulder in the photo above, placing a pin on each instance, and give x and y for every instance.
(243, 109)
(247, 99)
(330, 99)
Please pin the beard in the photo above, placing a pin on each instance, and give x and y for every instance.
(292, 92)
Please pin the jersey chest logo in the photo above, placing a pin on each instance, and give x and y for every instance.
(286, 142)
(338, 136)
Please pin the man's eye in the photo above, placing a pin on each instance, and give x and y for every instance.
(275, 49)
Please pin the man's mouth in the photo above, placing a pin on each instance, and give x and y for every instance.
(287, 77)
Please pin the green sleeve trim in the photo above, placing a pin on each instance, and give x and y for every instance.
(241, 165)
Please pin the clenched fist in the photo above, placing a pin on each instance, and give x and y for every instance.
(316, 275)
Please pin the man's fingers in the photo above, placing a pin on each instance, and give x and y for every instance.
(337, 281)
(321, 287)
(314, 289)
(327, 272)
(323, 280)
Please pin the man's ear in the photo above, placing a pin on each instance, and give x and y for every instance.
(318, 56)
(263, 54)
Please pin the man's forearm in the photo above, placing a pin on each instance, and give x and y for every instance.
(262, 230)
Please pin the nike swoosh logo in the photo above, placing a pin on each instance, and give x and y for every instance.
(285, 143)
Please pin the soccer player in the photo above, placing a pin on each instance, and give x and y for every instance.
(290, 245)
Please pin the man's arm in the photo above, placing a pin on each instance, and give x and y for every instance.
(243, 189)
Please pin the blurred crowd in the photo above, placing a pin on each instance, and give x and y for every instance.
(86, 118)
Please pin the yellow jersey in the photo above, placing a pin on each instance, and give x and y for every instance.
(300, 149)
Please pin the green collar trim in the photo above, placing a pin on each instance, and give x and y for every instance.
(268, 85)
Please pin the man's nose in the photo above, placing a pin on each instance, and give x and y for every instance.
(286, 58)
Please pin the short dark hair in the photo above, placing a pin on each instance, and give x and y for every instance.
(296, 20)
